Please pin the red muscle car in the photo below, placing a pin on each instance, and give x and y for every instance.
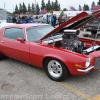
(59, 50)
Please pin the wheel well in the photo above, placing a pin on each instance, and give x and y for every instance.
(45, 60)
(52, 58)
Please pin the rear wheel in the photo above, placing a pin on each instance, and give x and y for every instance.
(1, 56)
(55, 69)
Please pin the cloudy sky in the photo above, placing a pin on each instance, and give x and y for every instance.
(10, 4)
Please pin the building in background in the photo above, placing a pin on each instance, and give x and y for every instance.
(3, 16)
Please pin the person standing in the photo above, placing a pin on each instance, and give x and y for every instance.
(14, 19)
(60, 20)
(48, 21)
(52, 20)
(54, 17)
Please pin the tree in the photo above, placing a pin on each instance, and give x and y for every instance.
(37, 9)
(72, 8)
(86, 7)
(1, 9)
(52, 5)
(33, 8)
(56, 6)
(24, 8)
(16, 9)
(95, 8)
(65, 9)
(93, 4)
(80, 8)
(20, 8)
(44, 11)
(51, 11)
(48, 6)
(42, 5)
(98, 2)
(62, 13)
(29, 8)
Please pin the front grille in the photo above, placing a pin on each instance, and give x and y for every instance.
(97, 63)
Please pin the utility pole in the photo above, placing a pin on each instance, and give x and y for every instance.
(35, 8)
(13, 8)
(4, 5)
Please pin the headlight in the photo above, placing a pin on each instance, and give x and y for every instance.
(87, 62)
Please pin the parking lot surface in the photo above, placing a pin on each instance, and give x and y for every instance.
(21, 81)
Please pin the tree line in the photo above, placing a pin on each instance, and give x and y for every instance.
(34, 8)
(49, 6)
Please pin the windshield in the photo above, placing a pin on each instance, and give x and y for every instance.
(35, 33)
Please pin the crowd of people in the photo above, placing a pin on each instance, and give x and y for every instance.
(22, 20)
(52, 19)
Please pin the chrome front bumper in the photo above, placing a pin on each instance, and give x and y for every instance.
(85, 70)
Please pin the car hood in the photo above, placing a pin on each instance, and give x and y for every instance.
(75, 22)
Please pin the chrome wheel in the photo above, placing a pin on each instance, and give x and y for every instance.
(54, 68)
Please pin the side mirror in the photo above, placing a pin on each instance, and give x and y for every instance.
(20, 39)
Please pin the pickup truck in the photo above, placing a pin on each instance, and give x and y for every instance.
(93, 27)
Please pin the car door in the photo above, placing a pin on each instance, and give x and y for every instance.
(10, 47)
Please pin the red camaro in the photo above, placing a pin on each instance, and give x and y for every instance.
(59, 50)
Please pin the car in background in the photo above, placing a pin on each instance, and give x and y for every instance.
(93, 27)
(64, 18)
(42, 20)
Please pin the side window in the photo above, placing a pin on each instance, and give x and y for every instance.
(13, 33)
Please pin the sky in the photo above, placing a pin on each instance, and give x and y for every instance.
(9, 5)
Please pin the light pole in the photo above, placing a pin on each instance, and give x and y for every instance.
(4, 5)
(35, 8)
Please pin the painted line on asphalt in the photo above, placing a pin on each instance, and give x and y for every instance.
(96, 98)
(76, 91)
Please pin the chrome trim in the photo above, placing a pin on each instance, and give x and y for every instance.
(50, 41)
(85, 70)
(91, 48)
(26, 35)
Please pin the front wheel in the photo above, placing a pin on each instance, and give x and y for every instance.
(55, 69)
(1, 56)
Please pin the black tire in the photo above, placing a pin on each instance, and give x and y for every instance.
(94, 31)
(64, 72)
(1, 56)
(86, 35)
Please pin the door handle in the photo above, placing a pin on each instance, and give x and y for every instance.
(1, 41)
